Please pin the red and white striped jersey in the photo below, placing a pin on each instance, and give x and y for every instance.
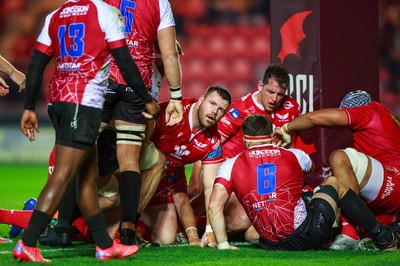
(268, 182)
(80, 35)
(143, 19)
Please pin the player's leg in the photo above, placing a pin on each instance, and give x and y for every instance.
(162, 221)
(237, 220)
(357, 211)
(15, 217)
(349, 167)
(125, 108)
(152, 165)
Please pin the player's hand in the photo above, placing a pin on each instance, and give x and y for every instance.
(20, 79)
(4, 89)
(229, 248)
(281, 137)
(208, 240)
(153, 110)
(29, 124)
(174, 112)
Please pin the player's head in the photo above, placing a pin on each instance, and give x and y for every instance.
(256, 128)
(273, 87)
(356, 98)
(213, 105)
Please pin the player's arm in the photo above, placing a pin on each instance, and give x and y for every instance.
(195, 187)
(215, 213)
(186, 214)
(17, 76)
(34, 75)
(170, 51)
(329, 118)
(132, 77)
(36, 67)
(208, 176)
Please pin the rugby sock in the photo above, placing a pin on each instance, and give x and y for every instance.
(129, 191)
(349, 229)
(356, 211)
(15, 217)
(83, 229)
(97, 228)
(37, 225)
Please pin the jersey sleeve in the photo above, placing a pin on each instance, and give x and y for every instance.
(111, 23)
(166, 15)
(43, 43)
(227, 126)
(224, 175)
(303, 159)
(358, 116)
(214, 156)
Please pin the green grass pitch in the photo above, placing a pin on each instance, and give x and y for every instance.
(20, 182)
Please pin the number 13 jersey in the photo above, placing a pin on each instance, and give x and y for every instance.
(80, 35)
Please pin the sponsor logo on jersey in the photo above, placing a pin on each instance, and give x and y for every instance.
(389, 187)
(74, 11)
(259, 205)
(234, 113)
(132, 44)
(261, 153)
(199, 144)
(68, 66)
(283, 117)
(287, 105)
(225, 121)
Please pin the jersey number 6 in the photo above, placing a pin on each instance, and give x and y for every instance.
(266, 178)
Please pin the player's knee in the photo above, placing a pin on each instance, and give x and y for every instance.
(328, 188)
(165, 239)
(150, 157)
(338, 158)
(240, 222)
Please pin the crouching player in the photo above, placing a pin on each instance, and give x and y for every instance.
(270, 192)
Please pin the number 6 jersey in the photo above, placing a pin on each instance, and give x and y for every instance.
(268, 182)
(80, 35)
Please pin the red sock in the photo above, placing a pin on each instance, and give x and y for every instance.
(15, 217)
(83, 229)
(349, 229)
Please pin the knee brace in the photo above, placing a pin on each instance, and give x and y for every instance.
(328, 190)
(130, 134)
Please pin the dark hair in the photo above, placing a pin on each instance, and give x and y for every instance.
(221, 90)
(257, 125)
(278, 73)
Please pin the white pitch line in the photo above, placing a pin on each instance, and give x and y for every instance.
(51, 250)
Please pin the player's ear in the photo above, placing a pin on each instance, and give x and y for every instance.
(260, 85)
(201, 99)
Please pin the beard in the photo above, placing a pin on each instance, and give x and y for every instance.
(206, 120)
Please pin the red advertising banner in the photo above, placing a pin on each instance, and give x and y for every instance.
(329, 48)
